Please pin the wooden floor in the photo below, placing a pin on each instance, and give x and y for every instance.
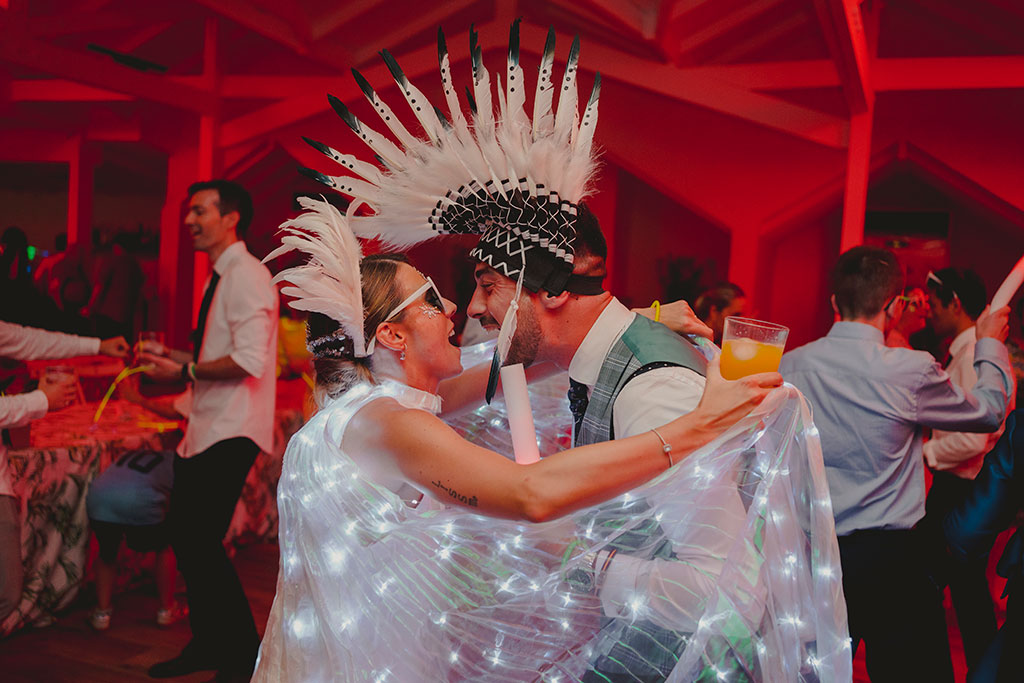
(71, 652)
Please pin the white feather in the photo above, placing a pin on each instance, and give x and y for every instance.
(329, 281)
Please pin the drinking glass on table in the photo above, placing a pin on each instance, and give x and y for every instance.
(151, 341)
(751, 346)
(63, 376)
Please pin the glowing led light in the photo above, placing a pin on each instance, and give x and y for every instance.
(453, 657)
(448, 528)
(658, 516)
(503, 547)
(350, 528)
(518, 540)
(826, 572)
(506, 584)
(636, 604)
(384, 586)
(813, 661)
(335, 559)
(565, 624)
(790, 558)
(534, 586)
(567, 598)
(445, 553)
(300, 627)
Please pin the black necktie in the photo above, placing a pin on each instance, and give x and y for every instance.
(578, 400)
(204, 309)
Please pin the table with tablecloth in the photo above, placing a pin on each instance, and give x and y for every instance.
(67, 451)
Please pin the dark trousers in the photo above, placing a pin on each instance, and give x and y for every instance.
(894, 606)
(968, 586)
(1003, 661)
(206, 490)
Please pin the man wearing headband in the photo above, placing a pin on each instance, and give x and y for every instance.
(957, 297)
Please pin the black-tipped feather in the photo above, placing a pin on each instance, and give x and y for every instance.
(364, 85)
(316, 175)
(442, 45)
(549, 43)
(513, 42)
(469, 98)
(595, 92)
(396, 71)
(574, 51)
(492, 378)
(442, 118)
(341, 110)
(318, 146)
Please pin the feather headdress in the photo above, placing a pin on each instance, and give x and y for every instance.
(328, 282)
(513, 181)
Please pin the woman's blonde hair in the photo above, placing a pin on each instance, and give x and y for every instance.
(337, 368)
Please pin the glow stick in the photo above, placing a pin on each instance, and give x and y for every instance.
(113, 385)
(520, 417)
(1009, 287)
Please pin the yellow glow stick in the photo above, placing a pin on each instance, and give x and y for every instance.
(657, 310)
(159, 426)
(127, 372)
(309, 381)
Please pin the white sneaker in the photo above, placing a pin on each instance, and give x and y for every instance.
(165, 616)
(99, 619)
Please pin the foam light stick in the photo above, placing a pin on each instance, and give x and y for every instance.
(1009, 287)
(520, 417)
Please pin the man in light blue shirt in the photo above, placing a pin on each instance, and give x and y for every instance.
(870, 404)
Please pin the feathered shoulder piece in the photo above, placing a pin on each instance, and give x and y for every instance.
(328, 282)
(512, 180)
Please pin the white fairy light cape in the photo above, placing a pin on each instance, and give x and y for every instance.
(371, 589)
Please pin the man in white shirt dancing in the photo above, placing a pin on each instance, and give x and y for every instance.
(232, 371)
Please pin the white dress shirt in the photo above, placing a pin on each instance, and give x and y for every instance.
(242, 323)
(962, 453)
(654, 398)
(28, 343)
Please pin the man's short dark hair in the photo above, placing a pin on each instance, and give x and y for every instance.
(962, 283)
(865, 280)
(233, 197)
(718, 297)
(591, 249)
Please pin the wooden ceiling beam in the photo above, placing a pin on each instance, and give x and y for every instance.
(693, 39)
(61, 90)
(59, 24)
(102, 73)
(948, 73)
(314, 101)
(404, 30)
(258, 20)
(843, 29)
(343, 13)
(696, 88)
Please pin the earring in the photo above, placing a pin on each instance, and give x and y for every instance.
(402, 355)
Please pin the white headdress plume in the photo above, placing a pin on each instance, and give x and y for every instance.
(513, 181)
(328, 282)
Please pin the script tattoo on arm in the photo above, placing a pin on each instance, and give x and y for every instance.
(467, 500)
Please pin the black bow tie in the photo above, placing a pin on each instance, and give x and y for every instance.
(578, 400)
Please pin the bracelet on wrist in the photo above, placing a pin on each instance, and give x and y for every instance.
(665, 447)
(188, 372)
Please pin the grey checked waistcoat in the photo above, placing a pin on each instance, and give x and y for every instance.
(633, 651)
(644, 346)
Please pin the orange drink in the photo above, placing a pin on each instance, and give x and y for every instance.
(751, 346)
(742, 357)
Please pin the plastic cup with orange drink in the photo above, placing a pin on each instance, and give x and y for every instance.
(751, 346)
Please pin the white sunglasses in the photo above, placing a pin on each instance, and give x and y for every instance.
(427, 286)
(932, 277)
